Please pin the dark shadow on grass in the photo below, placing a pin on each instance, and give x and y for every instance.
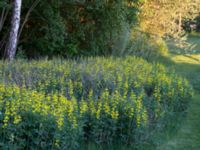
(189, 56)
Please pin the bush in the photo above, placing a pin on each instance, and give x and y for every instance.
(147, 46)
(60, 104)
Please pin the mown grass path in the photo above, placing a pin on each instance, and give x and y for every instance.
(188, 135)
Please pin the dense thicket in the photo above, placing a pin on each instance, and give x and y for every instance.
(69, 28)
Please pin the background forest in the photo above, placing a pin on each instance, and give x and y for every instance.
(71, 28)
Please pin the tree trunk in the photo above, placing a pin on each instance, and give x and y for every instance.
(13, 35)
(32, 7)
(180, 23)
(180, 16)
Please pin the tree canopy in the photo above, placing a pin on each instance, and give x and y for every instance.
(71, 28)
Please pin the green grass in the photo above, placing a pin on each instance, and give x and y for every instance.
(188, 135)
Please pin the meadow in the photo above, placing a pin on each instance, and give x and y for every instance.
(63, 104)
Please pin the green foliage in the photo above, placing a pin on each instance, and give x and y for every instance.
(60, 104)
(147, 46)
(73, 28)
(48, 33)
(96, 26)
(3, 3)
(197, 19)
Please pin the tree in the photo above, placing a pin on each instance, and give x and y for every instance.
(4, 13)
(13, 35)
(69, 28)
(165, 17)
(73, 28)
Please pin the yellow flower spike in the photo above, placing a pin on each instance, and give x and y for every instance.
(138, 120)
(114, 113)
(92, 107)
(74, 122)
(126, 85)
(98, 112)
(145, 116)
(7, 114)
(107, 108)
(70, 110)
(17, 119)
(90, 94)
(83, 107)
(57, 143)
(60, 122)
(156, 93)
(55, 98)
(133, 96)
(131, 112)
(119, 78)
(139, 102)
(139, 109)
(116, 97)
(105, 94)
(71, 90)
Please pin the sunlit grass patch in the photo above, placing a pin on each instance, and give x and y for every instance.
(190, 59)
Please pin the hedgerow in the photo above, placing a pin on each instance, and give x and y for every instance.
(60, 104)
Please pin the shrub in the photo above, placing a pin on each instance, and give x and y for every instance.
(59, 104)
(147, 46)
